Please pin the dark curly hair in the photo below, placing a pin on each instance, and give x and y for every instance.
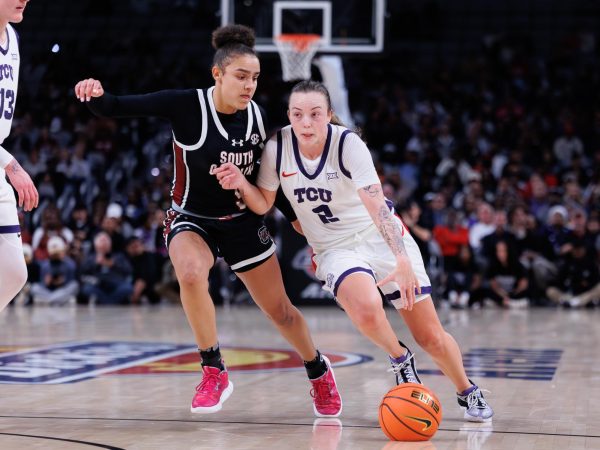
(231, 41)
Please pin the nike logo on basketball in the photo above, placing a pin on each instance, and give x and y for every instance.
(283, 174)
(426, 422)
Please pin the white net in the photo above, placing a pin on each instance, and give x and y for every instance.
(296, 52)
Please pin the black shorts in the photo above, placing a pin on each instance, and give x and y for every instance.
(244, 241)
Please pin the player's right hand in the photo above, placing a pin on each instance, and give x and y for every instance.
(230, 177)
(86, 89)
(21, 181)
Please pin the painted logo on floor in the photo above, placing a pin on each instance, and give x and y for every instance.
(515, 363)
(77, 361)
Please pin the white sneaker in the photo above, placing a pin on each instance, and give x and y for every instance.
(475, 407)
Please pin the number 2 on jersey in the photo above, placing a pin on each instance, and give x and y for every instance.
(325, 214)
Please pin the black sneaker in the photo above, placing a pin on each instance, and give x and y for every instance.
(405, 370)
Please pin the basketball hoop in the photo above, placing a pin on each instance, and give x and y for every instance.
(296, 52)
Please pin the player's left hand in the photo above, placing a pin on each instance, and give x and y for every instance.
(27, 193)
(230, 177)
(404, 276)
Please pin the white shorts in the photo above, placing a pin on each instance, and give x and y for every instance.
(372, 256)
(9, 221)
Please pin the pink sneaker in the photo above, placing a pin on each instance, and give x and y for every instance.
(326, 398)
(212, 391)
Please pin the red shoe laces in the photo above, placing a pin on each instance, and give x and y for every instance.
(321, 390)
(208, 383)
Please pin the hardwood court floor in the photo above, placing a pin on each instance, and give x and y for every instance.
(123, 378)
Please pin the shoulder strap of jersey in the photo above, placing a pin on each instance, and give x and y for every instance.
(340, 151)
(204, 118)
(279, 153)
(259, 121)
(12, 40)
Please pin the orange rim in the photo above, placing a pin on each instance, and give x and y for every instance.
(301, 42)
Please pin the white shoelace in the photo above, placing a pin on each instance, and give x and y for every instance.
(476, 399)
(398, 367)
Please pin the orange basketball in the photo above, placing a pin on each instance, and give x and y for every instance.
(410, 412)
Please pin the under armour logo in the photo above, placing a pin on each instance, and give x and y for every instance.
(239, 142)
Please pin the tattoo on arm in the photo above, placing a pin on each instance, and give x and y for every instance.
(372, 190)
(14, 167)
(384, 220)
(391, 232)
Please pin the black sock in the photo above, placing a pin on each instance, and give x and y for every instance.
(316, 368)
(211, 357)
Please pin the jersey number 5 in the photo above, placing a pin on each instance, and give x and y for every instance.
(239, 201)
(325, 214)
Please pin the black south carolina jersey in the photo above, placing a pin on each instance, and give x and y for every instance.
(203, 139)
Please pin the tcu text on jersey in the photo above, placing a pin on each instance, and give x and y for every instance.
(6, 71)
(312, 194)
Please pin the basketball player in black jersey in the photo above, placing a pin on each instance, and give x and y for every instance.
(210, 127)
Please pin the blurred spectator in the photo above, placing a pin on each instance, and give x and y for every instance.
(411, 217)
(58, 284)
(536, 194)
(567, 145)
(482, 227)
(434, 210)
(500, 233)
(536, 253)
(556, 231)
(80, 223)
(112, 224)
(579, 283)
(463, 279)
(508, 285)
(451, 236)
(51, 225)
(146, 271)
(105, 276)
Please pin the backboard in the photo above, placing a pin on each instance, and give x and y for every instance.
(345, 26)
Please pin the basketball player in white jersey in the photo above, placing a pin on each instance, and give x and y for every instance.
(362, 249)
(13, 271)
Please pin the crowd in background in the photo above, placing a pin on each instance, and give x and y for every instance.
(493, 163)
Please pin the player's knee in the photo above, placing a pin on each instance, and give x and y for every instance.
(432, 341)
(192, 275)
(284, 314)
(368, 317)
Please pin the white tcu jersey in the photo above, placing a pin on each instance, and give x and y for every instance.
(9, 81)
(325, 196)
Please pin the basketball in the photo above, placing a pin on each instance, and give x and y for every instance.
(410, 412)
